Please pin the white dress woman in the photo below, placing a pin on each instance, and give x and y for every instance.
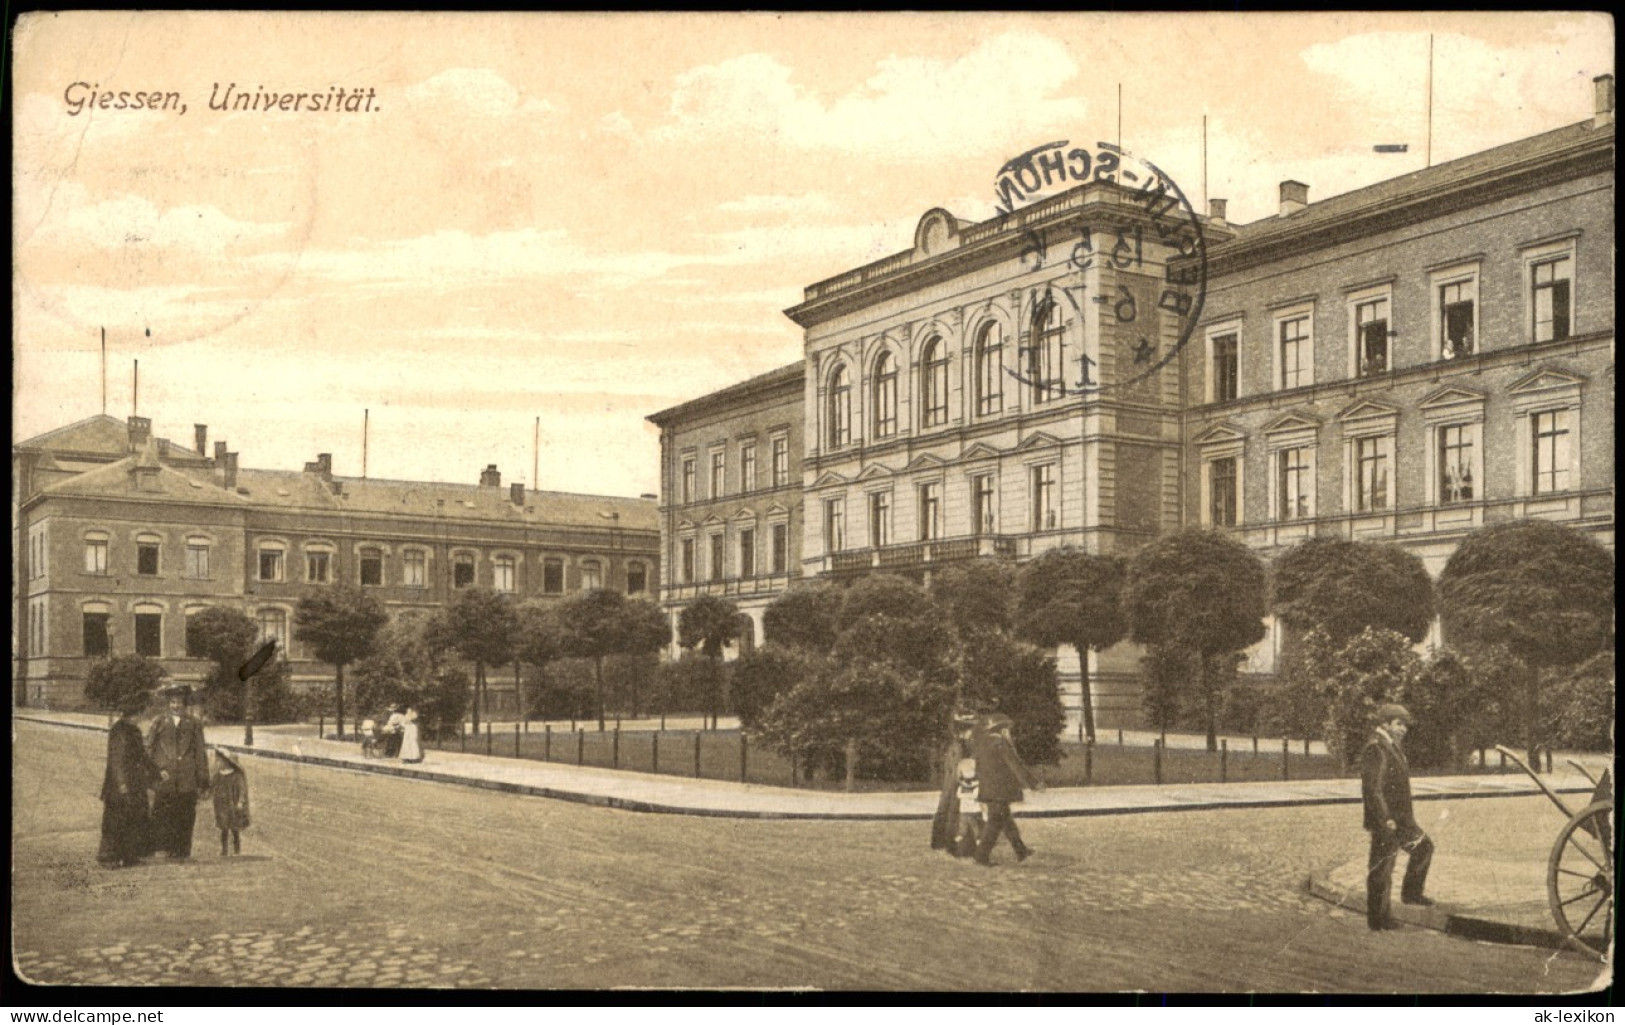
(411, 750)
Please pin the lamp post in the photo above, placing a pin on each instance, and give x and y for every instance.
(245, 673)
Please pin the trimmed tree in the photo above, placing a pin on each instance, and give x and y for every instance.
(979, 596)
(481, 625)
(1070, 596)
(1203, 592)
(804, 617)
(111, 680)
(1375, 667)
(601, 623)
(1542, 591)
(1343, 587)
(224, 636)
(644, 632)
(340, 624)
(409, 665)
(540, 642)
(709, 623)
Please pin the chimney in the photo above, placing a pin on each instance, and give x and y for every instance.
(219, 452)
(1215, 210)
(322, 467)
(140, 432)
(490, 477)
(516, 493)
(1294, 197)
(201, 433)
(650, 495)
(231, 471)
(1604, 85)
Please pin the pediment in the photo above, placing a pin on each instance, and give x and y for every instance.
(829, 479)
(1219, 433)
(776, 510)
(1451, 395)
(745, 514)
(980, 450)
(712, 520)
(874, 471)
(1293, 420)
(1546, 379)
(686, 524)
(1039, 440)
(926, 461)
(1366, 409)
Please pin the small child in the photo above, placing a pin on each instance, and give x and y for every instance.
(230, 788)
(970, 808)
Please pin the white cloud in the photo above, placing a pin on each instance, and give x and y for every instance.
(806, 204)
(912, 108)
(478, 92)
(65, 214)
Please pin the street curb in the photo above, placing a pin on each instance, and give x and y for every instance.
(1319, 884)
(653, 807)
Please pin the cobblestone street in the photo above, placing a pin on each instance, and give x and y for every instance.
(362, 881)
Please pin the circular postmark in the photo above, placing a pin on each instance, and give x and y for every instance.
(1142, 243)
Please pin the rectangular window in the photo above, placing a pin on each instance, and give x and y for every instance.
(592, 576)
(637, 578)
(372, 567)
(553, 575)
(1371, 337)
(270, 564)
(1295, 352)
(688, 560)
(717, 554)
(781, 548)
(1045, 516)
(880, 519)
(1226, 367)
(1455, 464)
(1222, 492)
(835, 524)
(317, 566)
(96, 645)
(747, 553)
(96, 556)
(1551, 462)
(197, 561)
(149, 634)
(1550, 281)
(273, 624)
(930, 511)
(502, 573)
(414, 568)
(688, 479)
(1456, 318)
(747, 468)
(462, 572)
(1371, 474)
(1293, 483)
(986, 511)
(719, 469)
(146, 559)
(781, 462)
(193, 643)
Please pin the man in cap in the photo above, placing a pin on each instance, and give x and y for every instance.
(1385, 784)
(175, 744)
(1000, 776)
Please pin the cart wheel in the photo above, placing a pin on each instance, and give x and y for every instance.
(1580, 880)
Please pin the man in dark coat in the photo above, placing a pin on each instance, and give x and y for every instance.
(1385, 784)
(126, 827)
(1001, 774)
(175, 744)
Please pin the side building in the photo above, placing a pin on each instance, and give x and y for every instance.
(731, 511)
(1405, 362)
(121, 536)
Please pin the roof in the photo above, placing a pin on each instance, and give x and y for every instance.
(167, 483)
(793, 373)
(103, 435)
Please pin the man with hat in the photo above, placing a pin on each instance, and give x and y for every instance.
(1001, 774)
(1385, 785)
(175, 744)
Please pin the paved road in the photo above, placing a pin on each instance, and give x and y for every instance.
(353, 880)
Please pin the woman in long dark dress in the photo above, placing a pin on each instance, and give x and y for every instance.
(126, 825)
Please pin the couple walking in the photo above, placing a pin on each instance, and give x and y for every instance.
(401, 734)
(982, 777)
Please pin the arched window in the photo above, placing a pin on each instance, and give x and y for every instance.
(990, 370)
(840, 408)
(934, 384)
(1046, 352)
(885, 404)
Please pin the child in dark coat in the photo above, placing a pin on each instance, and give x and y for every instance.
(230, 789)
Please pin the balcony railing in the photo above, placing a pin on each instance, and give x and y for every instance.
(921, 553)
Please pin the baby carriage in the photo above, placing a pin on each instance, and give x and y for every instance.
(372, 739)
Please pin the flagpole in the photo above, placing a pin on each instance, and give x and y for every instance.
(104, 371)
(1430, 101)
(365, 414)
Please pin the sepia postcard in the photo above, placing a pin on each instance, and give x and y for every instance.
(873, 502)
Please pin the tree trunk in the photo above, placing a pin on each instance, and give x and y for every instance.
(1083, 691)
(1210, 699)
(479, 688)
(1531, 714)
(598, 679)
(338, 693)
(518, 693)
(851, 763)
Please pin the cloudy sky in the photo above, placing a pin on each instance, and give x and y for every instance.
(588, 218)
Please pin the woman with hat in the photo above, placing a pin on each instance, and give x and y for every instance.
(394, 731)
(126, 826)
(230, 788)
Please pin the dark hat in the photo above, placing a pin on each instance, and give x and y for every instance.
(175, 689)
(1388, 713)
(134, 704)
(226, 757)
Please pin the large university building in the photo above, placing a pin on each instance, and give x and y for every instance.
(120, 536)
(1405, 362)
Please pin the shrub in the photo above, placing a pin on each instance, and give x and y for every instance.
(760, 677)
(1580, 705)
(1377, 666)
(111, 680)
